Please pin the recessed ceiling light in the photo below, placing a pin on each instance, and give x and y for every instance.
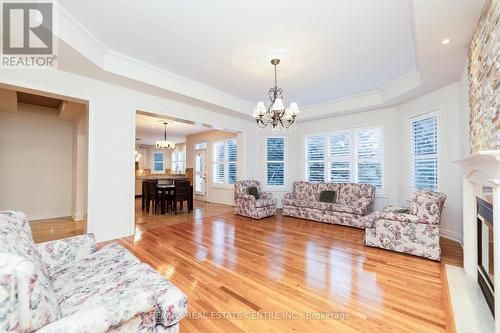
(445, 41)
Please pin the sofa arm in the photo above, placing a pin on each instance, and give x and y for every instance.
(246, 197)
(63, 251)
(370, 219)
(265, 195)
(289, 195)
(393, 208)
(108, 312)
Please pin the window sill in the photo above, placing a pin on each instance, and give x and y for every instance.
(223, 186)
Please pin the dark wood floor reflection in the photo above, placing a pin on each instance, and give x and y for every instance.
(290, 275)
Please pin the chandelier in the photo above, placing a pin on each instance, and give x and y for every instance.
(275, 114)
(165, 144)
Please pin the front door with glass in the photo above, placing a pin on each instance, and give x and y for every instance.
(200, 174)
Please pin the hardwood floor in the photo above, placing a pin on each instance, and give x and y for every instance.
(283, 274)
(50, 229)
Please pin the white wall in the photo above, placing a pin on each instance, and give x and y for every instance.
(36, 164)
(218, 193)
(446, 101)
(112, 109)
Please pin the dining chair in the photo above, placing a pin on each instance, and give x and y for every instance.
(181, 194)
(149, 195)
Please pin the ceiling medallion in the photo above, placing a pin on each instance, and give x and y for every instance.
(164, 144)
(275, 114)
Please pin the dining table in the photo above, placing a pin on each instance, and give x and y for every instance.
(169, 189)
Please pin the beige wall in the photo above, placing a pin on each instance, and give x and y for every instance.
(36, 164)
(80, 161)
(217, 193)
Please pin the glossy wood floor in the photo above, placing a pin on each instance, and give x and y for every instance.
(296, 275)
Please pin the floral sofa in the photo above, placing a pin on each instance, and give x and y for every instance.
(353, 202)
(415, 232)
(246, 204)
(68, 286)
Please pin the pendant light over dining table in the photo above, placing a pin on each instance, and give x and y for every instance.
(164, 144)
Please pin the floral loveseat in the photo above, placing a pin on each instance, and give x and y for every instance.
(246, 204)
(414, 232)
(67, 286)
(353, 202)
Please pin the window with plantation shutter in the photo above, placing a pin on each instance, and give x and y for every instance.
(353, 155)
(340, 157)
(369, 156)
(225, 162)
(275, 161)
(424, 152)
(315, 156)
(178, 162)
(232, 153)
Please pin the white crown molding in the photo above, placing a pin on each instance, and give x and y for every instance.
(372, 99)
(88, 45)
(79, 38)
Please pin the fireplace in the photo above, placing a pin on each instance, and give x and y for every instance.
(485, 256)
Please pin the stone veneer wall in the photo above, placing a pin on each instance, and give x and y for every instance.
(484, 80)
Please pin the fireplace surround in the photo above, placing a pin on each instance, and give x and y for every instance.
(485, 252)
(482, 170)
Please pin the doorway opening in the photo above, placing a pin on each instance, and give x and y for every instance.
(44, 149)
(170, 151)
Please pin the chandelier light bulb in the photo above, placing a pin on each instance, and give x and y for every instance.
(278, 105)
(294, 108)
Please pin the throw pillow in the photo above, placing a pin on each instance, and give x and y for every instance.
(254, 191)
(327, 196)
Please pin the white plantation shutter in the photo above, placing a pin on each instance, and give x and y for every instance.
(315, 152)
(369, 156)
(340, 157)
(232, 153)
(275, 161)
(225, 162)
(424, 152)
(354, 155)
(219, 163)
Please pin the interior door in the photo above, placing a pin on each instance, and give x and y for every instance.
(200, 174)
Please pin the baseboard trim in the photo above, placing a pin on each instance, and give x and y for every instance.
(452, 236)
(78, 218)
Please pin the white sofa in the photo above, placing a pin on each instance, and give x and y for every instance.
(68, 286)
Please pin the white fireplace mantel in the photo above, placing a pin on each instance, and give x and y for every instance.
(480, 169)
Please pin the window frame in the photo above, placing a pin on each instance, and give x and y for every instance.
(153, 153)
(178, 162)
(352, 158)
(411, 120)
(267, 161)
(225, 162)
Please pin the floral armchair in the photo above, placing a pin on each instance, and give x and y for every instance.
(246, 205)
(413, 230)
(69, 286)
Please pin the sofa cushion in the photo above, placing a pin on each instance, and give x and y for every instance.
(427, 205)
(253, 190)
(327, 196)
(107, 279)
(265, 202)
(295, 202)
(356, 195)
(305, 190)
